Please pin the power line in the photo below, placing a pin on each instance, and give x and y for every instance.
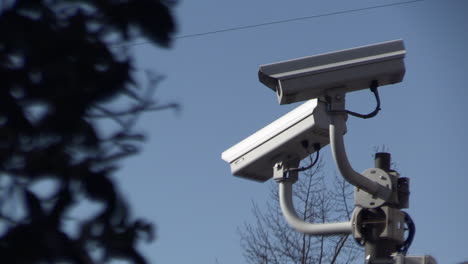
(283, 21)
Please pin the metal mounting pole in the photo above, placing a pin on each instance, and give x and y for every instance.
(383, 160)
(378, 249)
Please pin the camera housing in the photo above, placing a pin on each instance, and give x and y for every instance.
(350, 70)
(289, 138)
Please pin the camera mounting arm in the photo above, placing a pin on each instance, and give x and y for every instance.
(289, 213)
(285, 183)
(337, 115)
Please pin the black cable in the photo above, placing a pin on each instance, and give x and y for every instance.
(306, 167)
(373, 89)
(411, 233)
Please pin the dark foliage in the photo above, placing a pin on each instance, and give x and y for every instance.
(61, 72)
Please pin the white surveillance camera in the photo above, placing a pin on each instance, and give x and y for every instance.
(292, 137)
(350, 70)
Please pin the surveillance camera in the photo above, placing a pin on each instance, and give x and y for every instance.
(350, 70)
(289, 138)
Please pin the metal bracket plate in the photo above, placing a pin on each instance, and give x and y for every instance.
(366, 200)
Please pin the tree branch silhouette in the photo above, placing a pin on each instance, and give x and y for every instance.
(59, 76)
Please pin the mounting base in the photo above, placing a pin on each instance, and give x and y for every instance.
(366, 200)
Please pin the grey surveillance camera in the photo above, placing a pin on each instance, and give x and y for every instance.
(291, 137)
(350, 70)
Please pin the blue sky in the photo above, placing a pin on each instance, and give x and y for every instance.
(179, 180)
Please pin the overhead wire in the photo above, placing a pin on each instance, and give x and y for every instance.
(281, 21)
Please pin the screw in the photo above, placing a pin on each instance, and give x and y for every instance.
(383, 177)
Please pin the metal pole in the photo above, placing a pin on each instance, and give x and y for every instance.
(378, 249)
(383, 161)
